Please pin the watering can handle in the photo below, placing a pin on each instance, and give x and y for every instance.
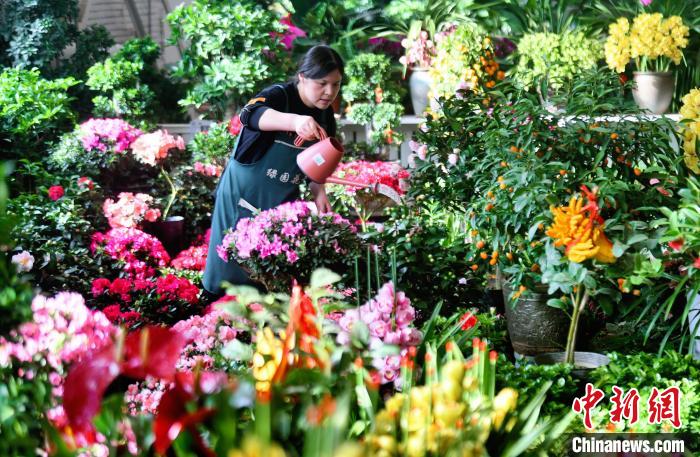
(298, 141)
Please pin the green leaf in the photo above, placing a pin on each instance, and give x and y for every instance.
(237, 351)
(323, 277)
(619, 248)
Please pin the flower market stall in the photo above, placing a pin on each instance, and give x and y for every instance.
(505, 261)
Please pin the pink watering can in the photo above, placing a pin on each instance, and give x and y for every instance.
(320, 160)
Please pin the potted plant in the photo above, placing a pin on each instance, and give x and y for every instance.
(579, 229)
(554, 58)
(155, 150)
(420, 50)
(652, 42)
(464, 60)
(288, 242)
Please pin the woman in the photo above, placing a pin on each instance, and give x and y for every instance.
(263, 172)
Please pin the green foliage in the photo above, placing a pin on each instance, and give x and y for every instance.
(373, 97)
(33, 111)
(528, 379)
(35, 33)
(23, 403)
(643, 371)
(131, 87)
(342, 25)
(215, 145)
(665, 306)
(15, 291)
(126, 98)
(231, 54)
(431, 250)
(404, 11)
(556, 57)
(58, 233)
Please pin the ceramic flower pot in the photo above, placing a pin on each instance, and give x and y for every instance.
(169, 232)
(419, 83)
(653, 91)
(533, 327)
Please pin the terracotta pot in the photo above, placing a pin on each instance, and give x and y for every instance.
(653, 90)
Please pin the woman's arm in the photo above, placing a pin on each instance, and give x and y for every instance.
(305, 126)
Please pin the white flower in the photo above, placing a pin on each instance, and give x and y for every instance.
(462, 280)
(24, 261)
(452, 158)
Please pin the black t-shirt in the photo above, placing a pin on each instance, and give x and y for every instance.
(254, 143)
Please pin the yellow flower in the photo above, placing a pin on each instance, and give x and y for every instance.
(579, 228)
(650, 37)
(690, 111)
(268, 358)
(503, 403)
(253, 447)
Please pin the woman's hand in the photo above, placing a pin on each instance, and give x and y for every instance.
(320, 198)
(308, 129)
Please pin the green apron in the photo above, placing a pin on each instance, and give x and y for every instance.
(244, 189)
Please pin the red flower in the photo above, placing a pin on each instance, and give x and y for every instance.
(676, 244)
(152, 351)
(99, 285)
(234, 125)
(468, 320)
(84, 181)
(120, 286)
(55, 192)
(173, 415)
(663, 191)
(696, 264)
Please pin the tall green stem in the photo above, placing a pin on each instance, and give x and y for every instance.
(173, 192)
(579, 305)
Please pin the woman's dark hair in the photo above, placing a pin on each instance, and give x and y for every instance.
(319, 61)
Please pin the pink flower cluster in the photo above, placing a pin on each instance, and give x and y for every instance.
(194, 257)
(419, 51)
(389, 317)
(208, 169)
(62, 330)
(206, 336)
(140, 252)
(149, 148)
(130, 210)
(279, 231)
(104, 134)
(391, 174)
(291, 34)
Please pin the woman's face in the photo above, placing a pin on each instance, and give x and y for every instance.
(321, 92)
